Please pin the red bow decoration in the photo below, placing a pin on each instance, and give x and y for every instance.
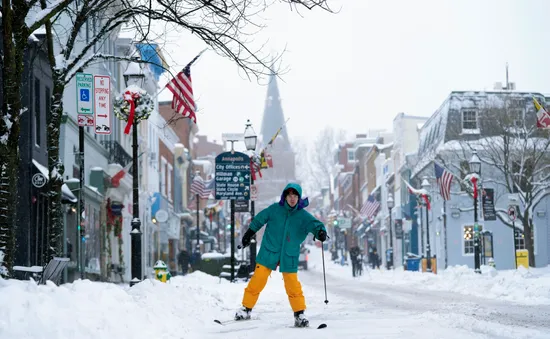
(474, 181)
(253, 169)
(426, 200)
(130, 98)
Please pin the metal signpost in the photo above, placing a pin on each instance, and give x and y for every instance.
(85, 115)
(232, 173)
(512, 217)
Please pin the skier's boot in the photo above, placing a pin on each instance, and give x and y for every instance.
(243, 313)
(300, 319)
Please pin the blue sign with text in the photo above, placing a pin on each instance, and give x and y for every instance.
(232, 176)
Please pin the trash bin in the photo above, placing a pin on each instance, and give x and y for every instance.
(412, 261)
(412, 264)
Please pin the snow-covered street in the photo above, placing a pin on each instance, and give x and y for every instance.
(373, 306)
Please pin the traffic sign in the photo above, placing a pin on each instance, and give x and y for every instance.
(253, 192)
(102, 99)
(84, 93)
(232, 176)
(85, 120)
(512, 212)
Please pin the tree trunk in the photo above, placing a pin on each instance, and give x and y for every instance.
(55, 216)
(14, 43)
(528, 233)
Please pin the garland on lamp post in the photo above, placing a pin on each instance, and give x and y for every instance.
(133, 106)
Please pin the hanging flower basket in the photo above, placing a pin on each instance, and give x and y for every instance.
(133, 106)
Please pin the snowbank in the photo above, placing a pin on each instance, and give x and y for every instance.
(526, 286)
(87, 309)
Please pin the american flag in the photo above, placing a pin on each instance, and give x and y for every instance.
(201, 187)
(181, 87)
(370, 207)
(444, 181)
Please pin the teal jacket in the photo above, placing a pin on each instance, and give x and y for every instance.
(286, 229)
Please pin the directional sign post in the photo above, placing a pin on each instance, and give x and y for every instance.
(232, 176)
(232, 183)
(102, 98)
(84, 93)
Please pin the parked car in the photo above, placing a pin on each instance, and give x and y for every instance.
(302, 259)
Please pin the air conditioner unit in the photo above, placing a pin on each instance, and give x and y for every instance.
(498, 86)
(512, 86)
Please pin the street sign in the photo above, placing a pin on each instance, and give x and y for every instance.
(344, 223)
(84, 93)
(253, 192)
(102, 98)
(85, 120)
(512, 212)
(39, 180)
(232, 176)
(242, 206)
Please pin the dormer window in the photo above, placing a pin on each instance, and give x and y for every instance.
(469, 122)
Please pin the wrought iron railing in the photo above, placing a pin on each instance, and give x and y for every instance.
(117, 154)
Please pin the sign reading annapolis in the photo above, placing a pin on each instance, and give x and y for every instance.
(232, 176)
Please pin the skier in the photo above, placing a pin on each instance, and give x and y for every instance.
(288, 225)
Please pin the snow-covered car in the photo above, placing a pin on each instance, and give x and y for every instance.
(302, 259)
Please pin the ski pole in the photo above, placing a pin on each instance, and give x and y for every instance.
(324, 276)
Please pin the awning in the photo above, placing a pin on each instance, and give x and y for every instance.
(66, 195)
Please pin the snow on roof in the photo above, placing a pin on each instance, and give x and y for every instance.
(384, 146)
(365, 145)
(206, 165)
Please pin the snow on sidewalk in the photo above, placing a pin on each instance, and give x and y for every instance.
(526, 286)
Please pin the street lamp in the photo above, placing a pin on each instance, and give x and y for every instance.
(250, 141)
(426, 186)
(475, 168)
(135, 76)
(390, 204)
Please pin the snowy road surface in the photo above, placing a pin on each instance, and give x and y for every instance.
(484, 317)
(359, 309)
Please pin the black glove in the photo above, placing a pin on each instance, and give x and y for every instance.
(321, 235)
(247, 237)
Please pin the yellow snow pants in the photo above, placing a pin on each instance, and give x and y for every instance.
(259, 280)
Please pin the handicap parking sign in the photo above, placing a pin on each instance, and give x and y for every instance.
(84, 94)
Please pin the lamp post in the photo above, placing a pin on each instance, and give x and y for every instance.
(475, 168)
(390, 204)
(134, 76)
(426, 185)
(197, 251)
(250, 141)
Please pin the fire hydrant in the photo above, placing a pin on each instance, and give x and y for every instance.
(491, 262)
(161, 271)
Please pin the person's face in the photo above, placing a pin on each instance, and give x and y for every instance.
(292, 198)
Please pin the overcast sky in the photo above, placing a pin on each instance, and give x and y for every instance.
(357, 69)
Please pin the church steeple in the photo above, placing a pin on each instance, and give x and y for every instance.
(274, 117)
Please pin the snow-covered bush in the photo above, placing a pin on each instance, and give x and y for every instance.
(3, 269)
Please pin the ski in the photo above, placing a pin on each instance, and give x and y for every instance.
(323, 325)
(230, 321)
